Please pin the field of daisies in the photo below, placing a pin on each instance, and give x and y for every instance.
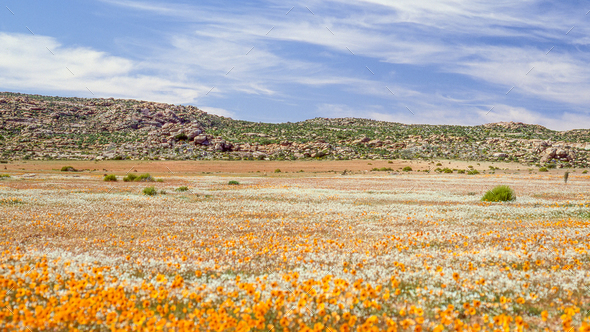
(411, 252)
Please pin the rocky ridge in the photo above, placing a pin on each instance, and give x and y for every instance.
(41, 127)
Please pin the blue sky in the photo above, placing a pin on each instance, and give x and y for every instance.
(436, 62)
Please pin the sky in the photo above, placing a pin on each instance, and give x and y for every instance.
(461, 62)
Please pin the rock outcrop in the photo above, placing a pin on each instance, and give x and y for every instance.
(38, 127)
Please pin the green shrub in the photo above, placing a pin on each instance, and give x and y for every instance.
(233, 183)
(181, 189)
(277, 170)
(461, 171)
(472, 172)
(163, 192)
(447, 170)
(4, 176)
(150, 191)
(68, 169)
(407, 169)
(181, 137)
(390, 162)
(552, 165)
(160, 180)
(110, 177)
(144, 178)
(438, 164)
(543, 169)
(499, 194)
(585, 171)
(130, 177)
(382, 169)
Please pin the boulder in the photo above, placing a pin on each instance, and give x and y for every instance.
(500, 155)
(201, 139)
(548, 154)
(259, 155)
(194, 133)
(561, 153)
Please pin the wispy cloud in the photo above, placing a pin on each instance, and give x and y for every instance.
(449, 60)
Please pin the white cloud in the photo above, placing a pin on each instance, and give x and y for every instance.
(27, 64)
(218, 111)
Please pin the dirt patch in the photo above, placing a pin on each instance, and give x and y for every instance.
(244, 167)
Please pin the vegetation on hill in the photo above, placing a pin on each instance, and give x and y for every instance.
(42, 127)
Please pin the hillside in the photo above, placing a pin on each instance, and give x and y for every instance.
(42, 127)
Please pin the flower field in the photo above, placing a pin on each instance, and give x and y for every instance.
(292, 252)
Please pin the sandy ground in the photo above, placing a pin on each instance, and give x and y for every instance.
(246, 167)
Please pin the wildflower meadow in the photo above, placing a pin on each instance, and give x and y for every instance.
(295, 252)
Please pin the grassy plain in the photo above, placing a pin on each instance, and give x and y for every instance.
(290, 251)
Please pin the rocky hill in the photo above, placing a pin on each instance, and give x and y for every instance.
(41, 127)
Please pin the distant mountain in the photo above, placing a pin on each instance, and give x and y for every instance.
(42, 127)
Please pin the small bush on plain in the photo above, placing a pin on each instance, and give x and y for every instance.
(181, 189)
(68, 169)
(130, 177)
(407, 169)
(543, 169)
(499, 194)
(233, 183)
(144, 178)
(382, 169)
(110, 177)
(150, 191)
